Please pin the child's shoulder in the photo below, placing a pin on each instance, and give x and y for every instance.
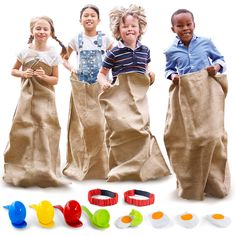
(115, 48)
(203, 38)
(24, 49)
(144, 47)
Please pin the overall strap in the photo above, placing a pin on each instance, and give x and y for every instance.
(99, 39)
(80, 40)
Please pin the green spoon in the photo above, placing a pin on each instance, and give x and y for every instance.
(100, 219)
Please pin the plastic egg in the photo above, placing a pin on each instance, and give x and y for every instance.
(124, 221)
(134, 219)
(219, 220)
(187, 220)
(158, 219)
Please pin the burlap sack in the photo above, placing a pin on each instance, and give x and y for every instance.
(133, 151)
(195, 137)
(32, 155)
(86, 149)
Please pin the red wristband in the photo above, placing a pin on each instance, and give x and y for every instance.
(112, 200)
(139, 202)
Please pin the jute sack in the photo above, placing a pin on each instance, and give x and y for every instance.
(32, 155)
(133, 151)
(86, 146)
(195, 138)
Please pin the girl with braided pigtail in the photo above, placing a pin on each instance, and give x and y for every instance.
(32, 155)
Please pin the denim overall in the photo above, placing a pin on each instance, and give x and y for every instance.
(90, 61)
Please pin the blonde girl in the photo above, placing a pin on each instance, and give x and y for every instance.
(32, 155)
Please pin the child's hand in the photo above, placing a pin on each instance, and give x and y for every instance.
(106, 85)
(28, 73)
(102, 80)
(73, 70)
(39, 73)
(152, 77)
(175, 79)
(211, 71)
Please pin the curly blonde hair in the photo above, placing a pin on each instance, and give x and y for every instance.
(119, 14)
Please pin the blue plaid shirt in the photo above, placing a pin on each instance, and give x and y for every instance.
(200, 54)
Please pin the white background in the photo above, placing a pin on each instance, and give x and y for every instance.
(214, 19)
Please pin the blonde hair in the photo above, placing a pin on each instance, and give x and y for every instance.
(49, 20)
(119, 14)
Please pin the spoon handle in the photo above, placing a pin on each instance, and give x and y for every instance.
(88, 212)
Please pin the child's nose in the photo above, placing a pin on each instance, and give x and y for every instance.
(130, 28)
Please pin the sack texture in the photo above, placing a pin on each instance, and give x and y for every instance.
(32, 155)
(133, 151)
(195, 138)
(86, 146)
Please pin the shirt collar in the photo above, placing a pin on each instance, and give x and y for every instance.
(121, 44)
(179, 42)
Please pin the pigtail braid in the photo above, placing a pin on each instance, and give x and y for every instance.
(31, 38)
(63, 51)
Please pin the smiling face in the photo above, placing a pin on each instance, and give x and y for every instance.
(41, 31)
(183, 25)
(89, 19)
(129, 31)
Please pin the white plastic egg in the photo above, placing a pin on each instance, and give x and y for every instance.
(123, 221)
(158, 219)
(218, 220)
(187, 220)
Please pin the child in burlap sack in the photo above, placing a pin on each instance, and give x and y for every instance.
(195, 137)
(32, 155)
(86, 145)
(133, 151)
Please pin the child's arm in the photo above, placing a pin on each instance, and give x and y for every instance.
(20, 73)
(217, 60)
(39, 73)
(151, 75)
(66, 63)
(102, 80)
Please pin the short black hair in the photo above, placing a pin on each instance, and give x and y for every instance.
(180, 11)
